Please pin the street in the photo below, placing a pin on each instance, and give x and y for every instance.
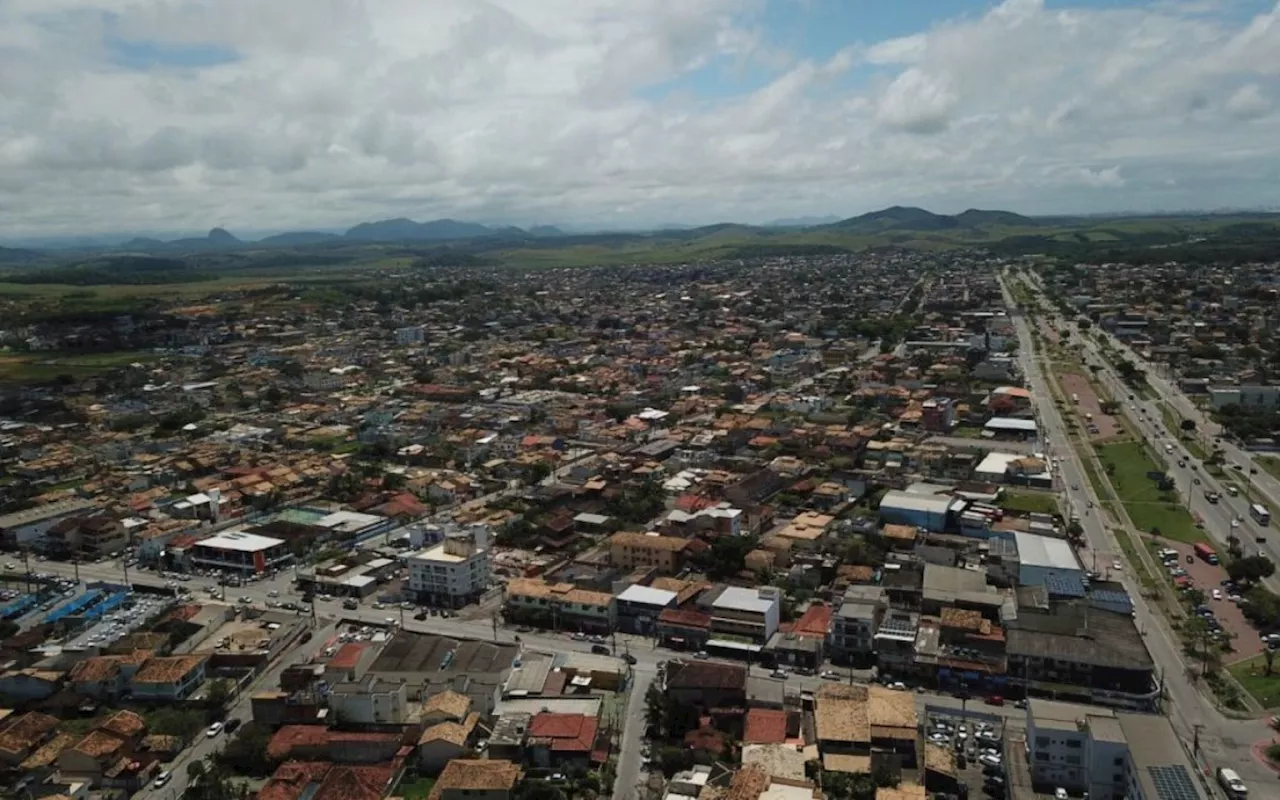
(1223, 741)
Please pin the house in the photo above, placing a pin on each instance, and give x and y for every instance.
(476, 779)
(706, 684)
(104, 757)
(169, 678)
(560, 605)
(629, 550)
(23, 734)
(852, 721)
(561, 739)
(446, 741)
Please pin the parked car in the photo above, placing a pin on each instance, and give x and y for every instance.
(701, 654)
(231, 725)
(214, 730)
(420, 615)
(995, 700)
(988, 760)
(162, 778)
(601, 650)
(779, 673)
(350, 604)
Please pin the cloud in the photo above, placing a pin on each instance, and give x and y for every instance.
(153, 115)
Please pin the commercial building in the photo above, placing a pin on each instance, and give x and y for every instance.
(854, 624)
(737, 613)
(29, 526)
(1251, 397)
(640, 606)
(241, 552)
(454, 572)
(629, 550)
(929, 511)
(370, 701)
(1107, 753)
(1043, 560)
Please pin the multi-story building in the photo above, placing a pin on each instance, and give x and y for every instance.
(629, 550)
(938, 414)
(168, 678)
(737, 613)
(240, 551)
(560, 606)
(640, 606)
(369, 701)
(411, 334)
(1106, 753)
(29, 526)
(854, 624)
(453, 572)
(1264, 397)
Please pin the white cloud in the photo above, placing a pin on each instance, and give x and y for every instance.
(599, 112)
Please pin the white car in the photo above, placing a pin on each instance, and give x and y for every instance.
(938, 738)
(830, 675)
(898, 686)
(161, 779)
(1116, 565)
(1217, 594)
(214, 730)
(990, 761)
(779, 673)
(273, 593)
(1059, 794)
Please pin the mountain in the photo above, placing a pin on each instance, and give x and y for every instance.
(546, 231)
(802, 222)
(18, 255)
(401, 229)
(143, 243)
(977, 218)
(298, 239)
(907, 218)
(221, 236)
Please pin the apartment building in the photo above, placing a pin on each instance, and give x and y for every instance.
(1106, 753)
(560, 606)
(169, 678)
(854, 624)
(454, 572)
(370, 701)
(630, 550)
(738, 613)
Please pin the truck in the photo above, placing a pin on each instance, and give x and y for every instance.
(1206, 553)
(1088, 418)
(1075, 398)
(1230, 782)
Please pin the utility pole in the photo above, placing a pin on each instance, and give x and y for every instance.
(1195, 739)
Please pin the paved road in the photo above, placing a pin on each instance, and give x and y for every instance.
(1224, 742)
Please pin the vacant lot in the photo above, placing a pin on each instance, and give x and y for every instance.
(1029, 502)
(39, 367)
(1077, 384)
(1252, 676)
(1152, 510)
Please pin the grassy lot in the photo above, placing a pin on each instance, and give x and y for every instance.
(1264, 688)
(1270, 464)
(966, 432)
(1029, 502)
(35, 367)
(1128, 464)
(417, 789)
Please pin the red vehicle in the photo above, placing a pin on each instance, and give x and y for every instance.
(1206, 553)
(995, 700)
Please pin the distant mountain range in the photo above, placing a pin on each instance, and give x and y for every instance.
(917, 219)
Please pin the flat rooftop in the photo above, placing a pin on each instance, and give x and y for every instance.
(241, 541)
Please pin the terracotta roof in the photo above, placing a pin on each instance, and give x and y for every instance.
(167, 669)
(368, 782)
(449, 703)
(815, 622)
(565, 732)
(292, 779)
(98, 744)
(685, 619)
(347, 657)
(475, 774)
(291, 737)
(455, 733)
(49, 751)
(706, 738)
(26, 731)
(748, 784)
(705, 675)
(124, 724)
(765, 726)
(95, 669)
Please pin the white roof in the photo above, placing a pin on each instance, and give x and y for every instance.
(1011, 424)
(1045, 551)
(997, 463)
(647, 595)
(930, 503)
(238, 540)
(736, 598)
(358, 581)
(348, 521)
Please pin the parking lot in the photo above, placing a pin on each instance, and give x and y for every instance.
(977, 739)
(1221, 610)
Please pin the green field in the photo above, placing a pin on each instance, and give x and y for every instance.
(37, 367)
(1264, 688)
(1271, 464)
(1129, 463)
(1029, 502)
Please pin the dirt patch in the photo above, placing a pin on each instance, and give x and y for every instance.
(1247, 643)
(1107, 426)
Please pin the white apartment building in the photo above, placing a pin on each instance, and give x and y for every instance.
(453, 572)
(1106, 753)
(370, 701)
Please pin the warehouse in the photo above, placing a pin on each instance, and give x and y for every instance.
(1042, 559)
(929, 511)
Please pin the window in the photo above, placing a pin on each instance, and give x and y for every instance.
(1042, 756)
(1042, 741)
(1119, 762)
(1074, 760)
(1074, 744)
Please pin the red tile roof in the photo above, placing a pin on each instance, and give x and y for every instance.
(765, 726)
(685, 619)
(566, 732)
(347, 657)
(357, 782)
(292, 737)
(292, 779)
(815, 622)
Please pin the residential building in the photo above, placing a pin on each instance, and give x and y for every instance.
(369, 701)
(561, 739)
(168, 678)
(476, 779)
(853, 720)
(629, 550)
(28, 527)
(938, 415)
(706, 684)
(410, 334)
(854, 624)
(454, 572)
(560, 606)
(241, 552)
(1248, 397)
(445, 741)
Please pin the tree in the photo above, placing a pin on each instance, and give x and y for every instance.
(1188, 425)
(1251, 569)
(219, 694)
(246, 753)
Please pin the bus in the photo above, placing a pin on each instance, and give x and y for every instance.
(1206, 553)
(1260, 514)
(1231, 783)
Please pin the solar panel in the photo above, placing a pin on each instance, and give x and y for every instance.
(1064, 585)
(1173, 782)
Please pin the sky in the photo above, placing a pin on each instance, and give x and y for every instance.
(179, 115)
